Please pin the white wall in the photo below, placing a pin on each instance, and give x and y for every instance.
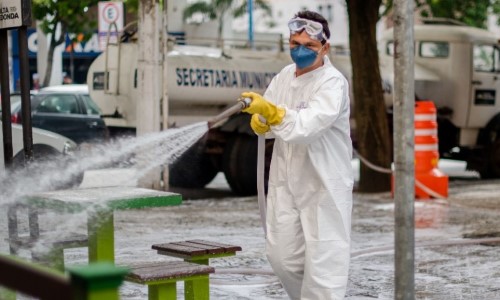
(175, 11)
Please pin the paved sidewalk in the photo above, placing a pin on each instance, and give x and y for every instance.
(442, 271)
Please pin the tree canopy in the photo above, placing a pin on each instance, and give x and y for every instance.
(69, 16)
(470, 12)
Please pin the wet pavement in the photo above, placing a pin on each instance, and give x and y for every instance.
(444, 268)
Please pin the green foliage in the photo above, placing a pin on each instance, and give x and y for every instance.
(387, 6)
(470, 12)
(131, 5)
(70, 15)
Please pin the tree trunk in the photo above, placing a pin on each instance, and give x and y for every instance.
(372, 132)
(50, 60)
(220, 27)
(50, 56)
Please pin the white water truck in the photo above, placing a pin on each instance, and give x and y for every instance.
(457, 67)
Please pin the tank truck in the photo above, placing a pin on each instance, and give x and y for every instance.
(466, 61)
(202, 82)
(457, 67)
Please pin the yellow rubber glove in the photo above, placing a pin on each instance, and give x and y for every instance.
(257, 126)
(273, 114)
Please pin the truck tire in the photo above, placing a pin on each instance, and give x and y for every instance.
(240, 164)
(489, 159)
(493, 159)
(194, 169)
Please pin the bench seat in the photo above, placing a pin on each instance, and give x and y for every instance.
(161, 279)
(198, 251)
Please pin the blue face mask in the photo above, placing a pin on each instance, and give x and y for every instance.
(303, 57)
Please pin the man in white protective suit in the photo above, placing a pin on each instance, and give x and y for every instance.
(309, 201)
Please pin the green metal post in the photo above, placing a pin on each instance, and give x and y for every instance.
(200, 261)
(198, 289)
(98, 281)
(101, 236)
(162, 291)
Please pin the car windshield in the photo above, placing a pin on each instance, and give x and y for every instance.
(90, 106)
(58, 103)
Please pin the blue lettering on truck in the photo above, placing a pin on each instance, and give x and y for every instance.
(223, 78)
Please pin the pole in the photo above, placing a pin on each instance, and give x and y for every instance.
(25, 93)
(149, 69)
(4, 83)
(250, 23)
(164, 100)
(404, 195)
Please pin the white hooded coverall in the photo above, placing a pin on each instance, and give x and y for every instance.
(309, 200)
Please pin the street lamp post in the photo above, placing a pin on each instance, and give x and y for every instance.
(250, 23)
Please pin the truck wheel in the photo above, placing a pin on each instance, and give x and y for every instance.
(240, 164)
(494, 159)
(194, 169)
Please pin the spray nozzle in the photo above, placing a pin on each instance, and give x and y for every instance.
(241, 104)
(246, 102)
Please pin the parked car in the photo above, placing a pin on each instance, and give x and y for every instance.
(45, 143)
(15, 99)
(67, 110)
(47, 146)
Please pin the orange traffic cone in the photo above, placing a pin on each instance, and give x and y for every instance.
(427, 174)
(427, 154)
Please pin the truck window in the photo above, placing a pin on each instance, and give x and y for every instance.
(434, 49)
(389, 48)
(485, 58)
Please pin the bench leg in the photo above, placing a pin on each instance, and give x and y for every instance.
(101, 236)
(197, 289)
(13, 231)
(33, 223)
(164, 291)
(203, 261)
(53, 258)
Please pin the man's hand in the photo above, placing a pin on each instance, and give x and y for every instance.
(258, 126)
(273, 114)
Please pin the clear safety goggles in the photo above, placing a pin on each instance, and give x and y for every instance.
(313, 29)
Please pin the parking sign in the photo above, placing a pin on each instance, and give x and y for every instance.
(110, 12)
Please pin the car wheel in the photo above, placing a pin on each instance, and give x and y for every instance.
(43, 154)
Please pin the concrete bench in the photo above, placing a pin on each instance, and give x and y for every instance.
(197, 251)
(161, 279)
